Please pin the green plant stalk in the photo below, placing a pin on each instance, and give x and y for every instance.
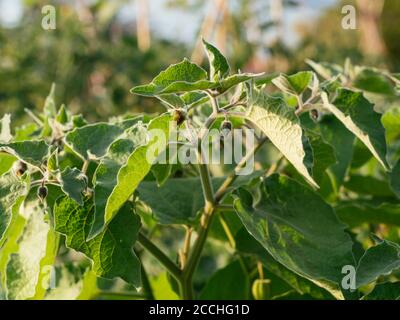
(207, 217)
(160, 256)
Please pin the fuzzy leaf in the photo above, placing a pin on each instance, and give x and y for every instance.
(32, 152)
(358, 115)
(73, 183)
(93, 139)
(294, 84)
(112, 250)
(297, 228)
(281, 125)
(138, 166)
(219, 67)
(379, 260)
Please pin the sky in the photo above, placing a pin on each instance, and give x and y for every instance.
(179, 25)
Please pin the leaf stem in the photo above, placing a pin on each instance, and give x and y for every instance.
(160, 256)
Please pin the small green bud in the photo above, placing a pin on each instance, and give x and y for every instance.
(261, 289)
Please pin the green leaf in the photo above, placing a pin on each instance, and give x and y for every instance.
(6, 162)
(181, 77)
(138, 166)
(11, 188)
(24, 267)
(49, 108)
(378, 260)
(32, 152)
(373, 80)
(355, 213)
(229, 283)
(93, 140)
(246, 244)
(323, 155)
(112, 250)
(298, 229)
(235, 79)
(394, 179)
(281, 125)
(177, 201)
(219, 67)
(294, 84)
(384, 291)
(368, 185)
(62, 115)
(73, 183)
(105, 177)
(358, 115)
(324, 69)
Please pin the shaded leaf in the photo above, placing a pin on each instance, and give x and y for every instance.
(112, 250)
(298, 229)
(394, 179)
(73, 183)
(355, 213)
(385, 291)
(229, 283)
(378, 260)
(358, 115)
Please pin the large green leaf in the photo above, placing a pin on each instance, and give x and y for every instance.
(105, 177)
(294, 84)
(358, 115)
(138, 165)
(73, 183)
(355, 213)
(230, 283)
(281, 125)
(112, 250)
(32, 152)
(24, 267)
(297, 228)
(219, 67)
(11, 188)
(247, 245)
(93, 140)
(385, 291)
(378, 260)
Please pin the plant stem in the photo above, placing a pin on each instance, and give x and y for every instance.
(148, 291)
(161, 257)
(183, 254)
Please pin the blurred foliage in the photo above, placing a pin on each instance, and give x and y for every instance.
(93, 63)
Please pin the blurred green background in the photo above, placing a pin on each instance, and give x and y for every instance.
(100, 49)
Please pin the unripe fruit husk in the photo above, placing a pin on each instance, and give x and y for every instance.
(261, 289)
